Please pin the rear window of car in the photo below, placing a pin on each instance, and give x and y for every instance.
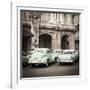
(68, 52)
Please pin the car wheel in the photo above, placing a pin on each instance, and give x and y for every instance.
(47, 64)
(58, 61)
(24, 64)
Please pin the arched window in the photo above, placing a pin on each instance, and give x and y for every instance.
(64, 42)
(45, 41)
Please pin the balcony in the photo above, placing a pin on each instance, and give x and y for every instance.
(56, 25)
(47, 25)
(67, 27)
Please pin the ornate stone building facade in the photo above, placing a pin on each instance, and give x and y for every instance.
(49, 30)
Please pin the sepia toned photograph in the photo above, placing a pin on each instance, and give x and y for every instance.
(49, 43)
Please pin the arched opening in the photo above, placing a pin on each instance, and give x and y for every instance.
(45, 41)
(26, 38)
(64, 42)
(26, 44)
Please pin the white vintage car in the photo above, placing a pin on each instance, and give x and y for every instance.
(68, 56)
(41, 56)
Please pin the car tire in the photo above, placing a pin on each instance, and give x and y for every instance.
(24, 64)
(56, 59)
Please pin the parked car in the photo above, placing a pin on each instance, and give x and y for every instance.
(41, 56)
(24, 59)
(68, 56)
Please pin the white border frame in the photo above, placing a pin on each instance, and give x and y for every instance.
(15, 43)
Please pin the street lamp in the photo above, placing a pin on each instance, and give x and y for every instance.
(34, 17)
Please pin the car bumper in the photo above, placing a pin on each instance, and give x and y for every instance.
(37, 62)
(65, 61)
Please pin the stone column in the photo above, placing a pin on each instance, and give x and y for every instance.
(52, 19)
(61, 18)
(58, 40)
(76, 20)
(37, 33)
(71, 42)
(54, 41)
(58, 18)
(69, 19)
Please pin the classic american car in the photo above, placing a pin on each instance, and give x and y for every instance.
(68, 56)
(41, 56)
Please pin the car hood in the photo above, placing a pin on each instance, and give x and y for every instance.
(65, 56)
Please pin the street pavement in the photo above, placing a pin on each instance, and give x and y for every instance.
(53, 69)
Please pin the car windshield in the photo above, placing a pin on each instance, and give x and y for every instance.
(68, 52)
